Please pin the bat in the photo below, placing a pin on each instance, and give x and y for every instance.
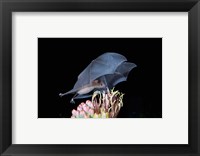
(104, 72)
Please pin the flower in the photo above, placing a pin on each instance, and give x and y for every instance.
(103, 105)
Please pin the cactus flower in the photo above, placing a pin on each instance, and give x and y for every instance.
(102, 105)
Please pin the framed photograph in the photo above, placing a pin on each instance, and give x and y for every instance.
(131, 78)
(99, 77)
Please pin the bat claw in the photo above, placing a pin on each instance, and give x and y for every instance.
(72, 101)
(60, 94)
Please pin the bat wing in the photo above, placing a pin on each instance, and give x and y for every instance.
(119, 75)
(106, 63)
(124, 69)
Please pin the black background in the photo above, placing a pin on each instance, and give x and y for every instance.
(60, 60)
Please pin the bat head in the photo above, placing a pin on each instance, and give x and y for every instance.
(98, 84)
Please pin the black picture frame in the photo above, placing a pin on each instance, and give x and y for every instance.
(9, 6)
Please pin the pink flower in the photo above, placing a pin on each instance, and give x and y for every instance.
(75, 113)
(79, 108)
(85, 108)
(82, 103)
(91, 112)
(90, 104)
(82, 114)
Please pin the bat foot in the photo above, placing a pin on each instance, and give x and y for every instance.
(72, 101)
(60, 94)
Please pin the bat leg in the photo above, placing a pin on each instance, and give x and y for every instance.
(62, 94)
(72, 100)
(69, 92)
